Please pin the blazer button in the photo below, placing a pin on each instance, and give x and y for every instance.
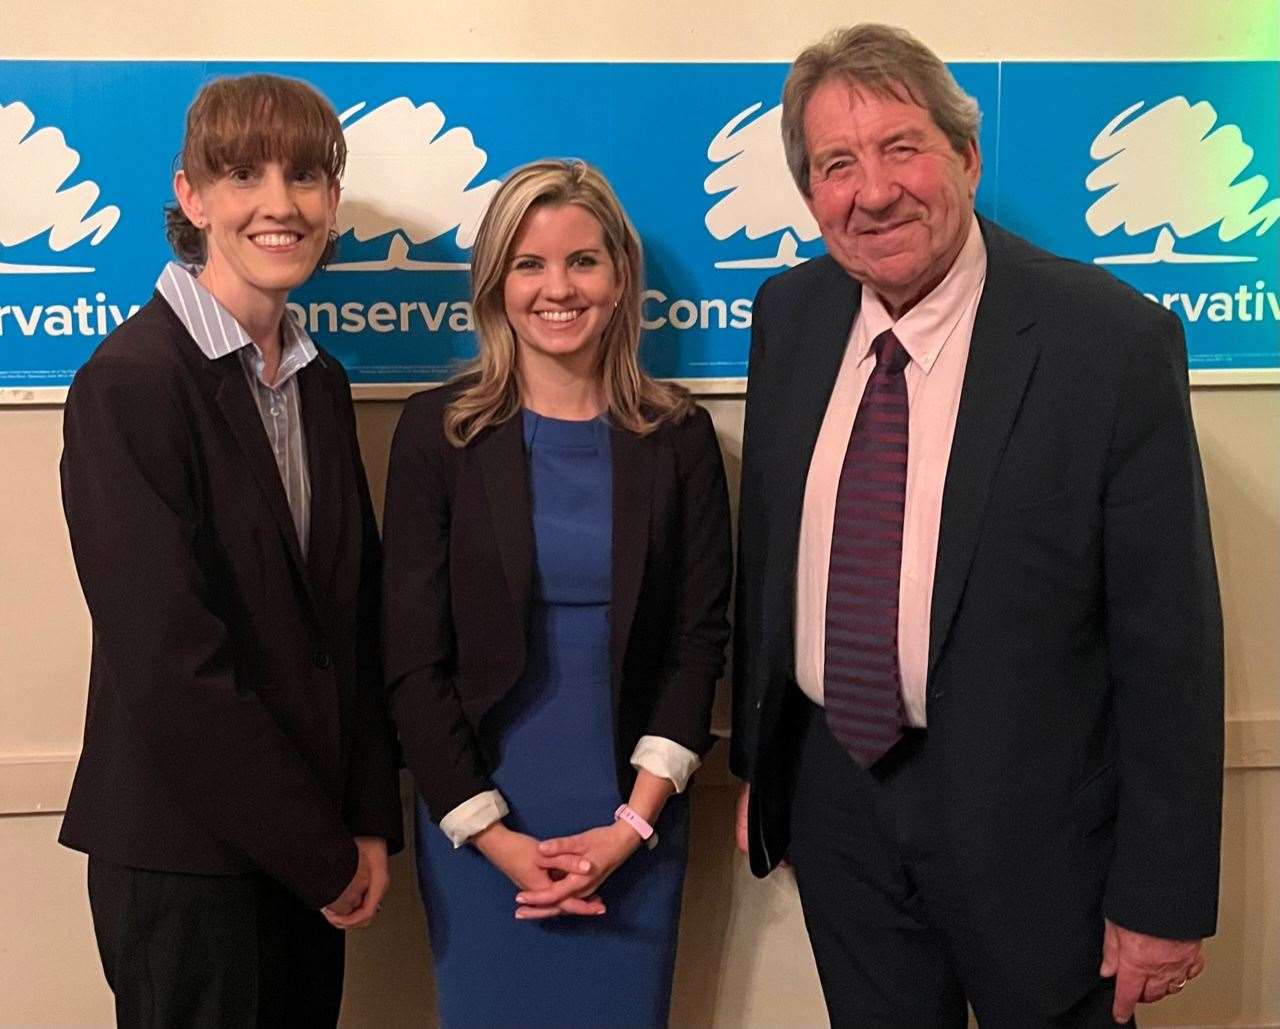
(322, 659)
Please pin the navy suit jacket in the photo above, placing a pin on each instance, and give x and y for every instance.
(1075, 643)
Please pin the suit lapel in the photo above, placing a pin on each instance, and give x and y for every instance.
(632, 460)
(231, 393)
(1002, 356)
(506, 481)
(325, 460)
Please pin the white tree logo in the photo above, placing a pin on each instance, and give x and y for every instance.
(1171, 169)
(762, 197)
(406, 177)
(33, 168)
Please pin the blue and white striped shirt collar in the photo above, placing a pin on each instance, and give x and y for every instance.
(215, 329)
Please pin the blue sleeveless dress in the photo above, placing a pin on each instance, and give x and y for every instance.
(557, 772)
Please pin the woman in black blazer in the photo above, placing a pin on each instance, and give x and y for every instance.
(557, 570)
(237, 792)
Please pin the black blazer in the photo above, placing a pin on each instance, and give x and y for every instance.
(236, 718)
(1075, 643)
(459, 574)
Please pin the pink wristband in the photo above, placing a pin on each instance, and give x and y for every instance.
(626, 813)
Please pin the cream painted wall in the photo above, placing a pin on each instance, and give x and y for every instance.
(743, 957)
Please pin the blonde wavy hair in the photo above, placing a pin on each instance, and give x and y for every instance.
(633, 399)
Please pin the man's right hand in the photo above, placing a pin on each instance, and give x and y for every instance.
(350, 898)
(740, 822)
(373, 860)
(516, 856)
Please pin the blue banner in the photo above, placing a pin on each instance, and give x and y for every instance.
(1166, 174)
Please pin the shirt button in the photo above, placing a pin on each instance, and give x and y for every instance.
(322, 659)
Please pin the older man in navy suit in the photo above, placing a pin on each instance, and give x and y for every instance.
(978, 668)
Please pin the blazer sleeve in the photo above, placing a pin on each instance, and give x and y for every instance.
(748, 632)
(1164, 644)
(371, 801)
(440, 747)
(130, 488)
(694, 659)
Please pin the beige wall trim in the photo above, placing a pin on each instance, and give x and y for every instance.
(721, 389)
(11, 396)
(38, 784)
(1236, 377)
(1253, 741)
(35, 784)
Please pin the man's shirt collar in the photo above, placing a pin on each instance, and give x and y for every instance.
(924, 330)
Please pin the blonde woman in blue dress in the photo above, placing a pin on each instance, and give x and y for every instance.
(558, 564)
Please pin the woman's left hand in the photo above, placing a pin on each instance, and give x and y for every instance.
(605, 847)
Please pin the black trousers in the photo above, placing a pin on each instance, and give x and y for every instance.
(230, 951)
(883, 902)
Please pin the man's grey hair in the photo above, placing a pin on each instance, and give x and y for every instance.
(882, 60)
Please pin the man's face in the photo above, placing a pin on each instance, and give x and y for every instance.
(891, 196)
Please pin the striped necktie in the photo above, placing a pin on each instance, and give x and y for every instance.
(862, 688)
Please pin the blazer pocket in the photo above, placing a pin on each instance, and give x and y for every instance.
(1035, 507)
(1094, 803)
(1049, 541)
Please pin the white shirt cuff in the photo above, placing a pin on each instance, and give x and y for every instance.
(473, 816)
(666, 759)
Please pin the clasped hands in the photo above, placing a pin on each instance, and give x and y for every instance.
(560, 876)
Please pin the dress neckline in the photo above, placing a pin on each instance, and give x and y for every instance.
(530, 413)
(564, 432)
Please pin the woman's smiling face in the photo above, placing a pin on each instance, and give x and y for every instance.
(265, 226)
(561, 286)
